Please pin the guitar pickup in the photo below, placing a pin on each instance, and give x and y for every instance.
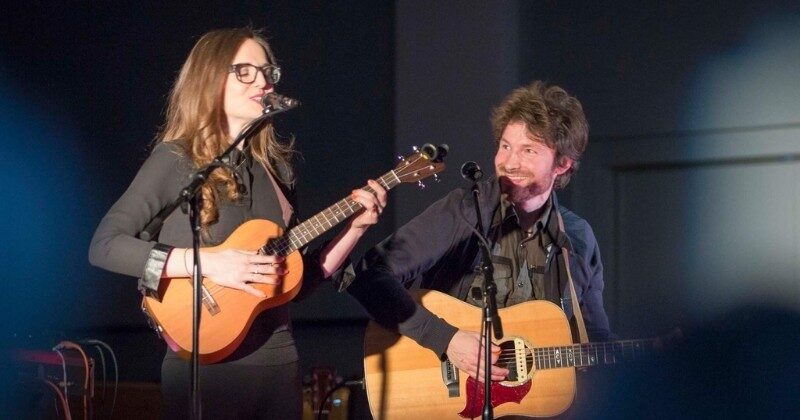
(450, 379)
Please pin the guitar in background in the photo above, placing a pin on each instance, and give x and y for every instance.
(324, 398)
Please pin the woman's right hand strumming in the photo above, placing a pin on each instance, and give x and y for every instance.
(232, 268)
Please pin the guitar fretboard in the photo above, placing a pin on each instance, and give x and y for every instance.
(323, 221)
(591, 354)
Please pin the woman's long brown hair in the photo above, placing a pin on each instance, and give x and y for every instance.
(195, 117)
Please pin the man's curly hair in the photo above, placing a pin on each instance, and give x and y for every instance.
(550, 113)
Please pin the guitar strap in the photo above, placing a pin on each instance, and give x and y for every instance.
(576, 308)
(286, 207)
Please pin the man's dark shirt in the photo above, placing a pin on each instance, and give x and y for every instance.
(438, 250)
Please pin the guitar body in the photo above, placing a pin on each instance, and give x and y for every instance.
(223, 331)
(227, 314)
(405, 380)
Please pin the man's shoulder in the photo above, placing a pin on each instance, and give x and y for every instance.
(572, 220)
(578, 230)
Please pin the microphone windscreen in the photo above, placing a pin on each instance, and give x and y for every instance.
(471, 171)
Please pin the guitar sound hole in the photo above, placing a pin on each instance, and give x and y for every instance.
(508, 360)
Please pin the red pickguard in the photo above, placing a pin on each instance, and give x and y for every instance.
(500, 395)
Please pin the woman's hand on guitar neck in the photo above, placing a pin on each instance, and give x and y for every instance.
(463, 354)
(238, 268)
(373, 203)
(340, 247)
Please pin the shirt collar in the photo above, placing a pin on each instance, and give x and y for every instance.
(508, 213)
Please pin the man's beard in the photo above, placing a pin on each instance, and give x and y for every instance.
(520, 193)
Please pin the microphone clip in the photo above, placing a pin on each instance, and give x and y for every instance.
(275, 103)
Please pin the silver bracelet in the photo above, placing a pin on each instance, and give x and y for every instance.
(185, 265)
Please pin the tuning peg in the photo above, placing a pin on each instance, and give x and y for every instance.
(436, 178)
(399, 157)
(420, 184)
(415, 148)
(441, 152)
(430, 151)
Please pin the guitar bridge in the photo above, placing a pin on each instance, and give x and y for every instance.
(450, 379)
(209, 302)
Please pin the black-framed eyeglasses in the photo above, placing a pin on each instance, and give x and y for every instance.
(246, 72)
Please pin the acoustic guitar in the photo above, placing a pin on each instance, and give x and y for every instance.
(227, 313)
(407, 381)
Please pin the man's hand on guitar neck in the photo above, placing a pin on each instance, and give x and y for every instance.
(463, 353)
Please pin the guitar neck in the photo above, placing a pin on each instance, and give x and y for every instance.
(323, 221)
(591, 354)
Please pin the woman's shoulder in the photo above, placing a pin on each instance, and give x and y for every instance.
(167, 159)
(171, 152)
(170, 147)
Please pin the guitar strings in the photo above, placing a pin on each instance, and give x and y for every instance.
(614, 346)
(286, 244)
(283, 245)
(554, 356)
(410, 168)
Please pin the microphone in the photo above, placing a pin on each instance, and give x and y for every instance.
(471, 171)
(276, 102)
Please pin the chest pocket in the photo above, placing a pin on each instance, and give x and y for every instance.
(502, 277)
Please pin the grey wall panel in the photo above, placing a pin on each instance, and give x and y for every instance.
(691, 227)
(696, 241)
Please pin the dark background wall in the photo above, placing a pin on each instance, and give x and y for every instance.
(690, 180)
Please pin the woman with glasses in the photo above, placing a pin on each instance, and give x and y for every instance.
(218, 91)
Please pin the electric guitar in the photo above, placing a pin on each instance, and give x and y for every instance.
(407, 381)
(227, 313)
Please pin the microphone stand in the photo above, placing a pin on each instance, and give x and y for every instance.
(490, 317)
(189, 201)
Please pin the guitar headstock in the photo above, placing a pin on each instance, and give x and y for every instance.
(425, 161)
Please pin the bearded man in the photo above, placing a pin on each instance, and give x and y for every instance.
(540, 133)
